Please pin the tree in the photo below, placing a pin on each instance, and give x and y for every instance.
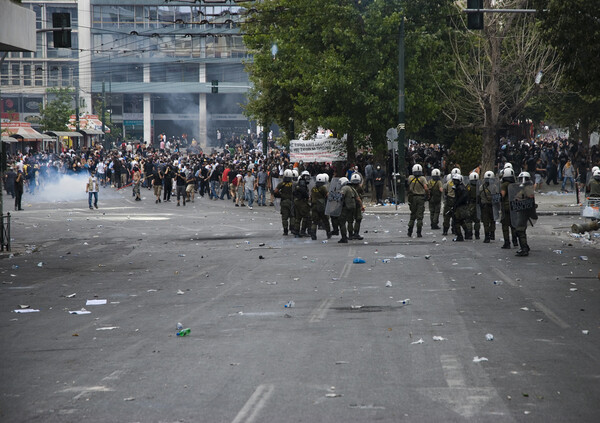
(573, 29)
(334, 64)
(496, 72)
(55, 116)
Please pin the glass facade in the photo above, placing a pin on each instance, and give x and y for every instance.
(167, 54)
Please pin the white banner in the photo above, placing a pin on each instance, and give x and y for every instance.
(317, 150)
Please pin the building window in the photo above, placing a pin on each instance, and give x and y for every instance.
(39, 76)
(27, 75)
(16, 74)
(4, 74)
(66, 79)
(126, 16)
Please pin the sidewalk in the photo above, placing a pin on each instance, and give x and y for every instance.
(550, 202)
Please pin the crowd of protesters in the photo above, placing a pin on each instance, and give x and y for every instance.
(241, 172)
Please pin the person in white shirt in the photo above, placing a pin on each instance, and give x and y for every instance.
(91, 188)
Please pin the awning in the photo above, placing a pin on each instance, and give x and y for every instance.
(25, 133)
(91, 131)
(64, 134)
(9, 139)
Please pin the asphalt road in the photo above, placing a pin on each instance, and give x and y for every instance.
(348, 351)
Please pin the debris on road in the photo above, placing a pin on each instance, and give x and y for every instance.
(477, 359)
(95, 302)
(358, 260)
(489, 337)
(108, 328)
(420, 341)
(439, 338)
(388, 284)
(289, 304)
(184, 332)
(27, 310)
(82, 311)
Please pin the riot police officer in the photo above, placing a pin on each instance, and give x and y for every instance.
(449, 197)
(301, 206)
(436, 189)
(417, 191)
(473, 221)
(594, 184)
(486, 206)
(524, 214)
(284, 190)
(508, 177)
(461, 209)
(355, 181)
(318, 199)
(349, 203)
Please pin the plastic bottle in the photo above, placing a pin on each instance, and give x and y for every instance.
(489, 337)
(179, 326)
(405, 302)
(184, 332)
(290, 304)
(498, 282)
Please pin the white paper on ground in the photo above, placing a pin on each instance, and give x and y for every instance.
(27, 310)
(95, 302)
(82, 311)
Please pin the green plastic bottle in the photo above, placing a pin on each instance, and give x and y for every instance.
(184, 332)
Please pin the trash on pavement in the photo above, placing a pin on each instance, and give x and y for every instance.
(388, 284)
(108, 328)
(180, 292)
(525, 308)
(95, 302)
(420, 341)
(40, 264)
(71, 295)
(179, 326)
(585, 331)
(289, 304)
(477, 359)
(584, 258)
(498, 282)
(557, 251)
(27, 310)
(404, 302)
(385, 260)
(489, 337)
(333, 395)
(439, 338)
(82, 311)
(358, 260)
(184, 332)
(129, 399)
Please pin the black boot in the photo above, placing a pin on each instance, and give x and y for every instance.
(523, 252)
(487, 238)
(313, 235)
(409, 233)
(515, 242)
(357, 236)
(506, 245)
(469, 235)
(459, 238)
(493, 235)
(445, 231)
(419, 233)
(344, 240)
(285, 231)
(476, 234)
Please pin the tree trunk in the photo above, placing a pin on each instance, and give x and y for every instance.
(350, 148)
(488, 149)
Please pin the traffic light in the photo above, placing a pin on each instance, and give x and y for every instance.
(475, 19)
(62, 37)
(215, 86)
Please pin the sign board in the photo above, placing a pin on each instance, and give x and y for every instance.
(316, 150)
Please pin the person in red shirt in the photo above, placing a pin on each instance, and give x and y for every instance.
(225, 183)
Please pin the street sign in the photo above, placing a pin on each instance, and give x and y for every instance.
(392, 134)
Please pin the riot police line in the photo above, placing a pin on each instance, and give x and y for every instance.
(308, 204)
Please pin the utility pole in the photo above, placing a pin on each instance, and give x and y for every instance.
(103, 116)
(399, 179)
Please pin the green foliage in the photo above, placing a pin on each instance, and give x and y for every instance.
(336, 65)
(55, 116)
(466, 151)
(573, 28)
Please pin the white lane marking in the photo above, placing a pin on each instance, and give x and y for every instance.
(321, 311)
(345, 271)
(504, 277)
(453, 371)
(116, 375)
(551, 315)
(254, 404)
(83, 390)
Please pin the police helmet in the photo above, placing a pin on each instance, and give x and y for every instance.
(288, 175)
(473, 177)
(322, 178)
(488, 175)
(343, 181)
(355, 178)
(295, 173)
(597, 175)
(594, 169)
(457, 178)
(455, 171)
(508, 165)
(508, 173)
(435, 172)
(417, 170)
(524, 177)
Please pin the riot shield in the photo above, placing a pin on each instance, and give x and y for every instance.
(489, 192)
(522, 204)
(334, 199)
